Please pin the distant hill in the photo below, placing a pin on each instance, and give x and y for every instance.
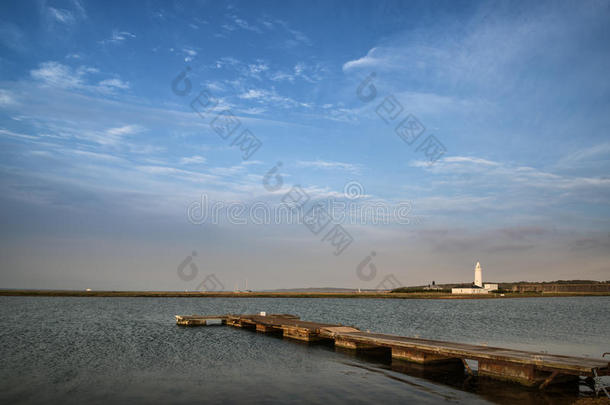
(316, 289)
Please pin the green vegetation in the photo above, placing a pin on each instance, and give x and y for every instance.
(421, 290)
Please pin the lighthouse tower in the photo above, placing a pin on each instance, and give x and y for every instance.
(478, 276)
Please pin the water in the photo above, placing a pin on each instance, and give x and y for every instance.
(129, 350)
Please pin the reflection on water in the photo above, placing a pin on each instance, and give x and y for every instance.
(130, 350)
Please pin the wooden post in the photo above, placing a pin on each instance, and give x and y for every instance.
(350, 344)
(267, 329)
(303, 334)
(421, 357)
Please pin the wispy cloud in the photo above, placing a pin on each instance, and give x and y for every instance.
(329, 165)
(181, 174)
(61, 15)
(7, 98)
(111, 84)
(254, 94)
(258, 67)
(586, 157)
(13, 134)
(311, 73)
(374, 59)
(65, 17)
(476, 185)
(118, 37)
(468, 159)
(190, 54)
(289, 38)
(55, 74)
(467, 53)
(95, 155)
(297, 37)
(124, 130)
(79, 8)
(112, 137)
(243, 24)
(226, 61)
(271, 97)
(282, 76)
(192, 160)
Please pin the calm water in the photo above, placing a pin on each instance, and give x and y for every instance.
(129, 350)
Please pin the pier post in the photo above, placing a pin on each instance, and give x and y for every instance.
(350, 344)
(526, 374)
(421, 357)
(303, 334)
(267, 329)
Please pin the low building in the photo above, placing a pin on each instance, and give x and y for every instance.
(433, 287)
(477, 287)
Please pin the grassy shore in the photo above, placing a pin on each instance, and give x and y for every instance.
(388, 295)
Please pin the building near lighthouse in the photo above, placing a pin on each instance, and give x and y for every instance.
(477, 287)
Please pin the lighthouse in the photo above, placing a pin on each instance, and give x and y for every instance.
(477, 287)
(478, 276)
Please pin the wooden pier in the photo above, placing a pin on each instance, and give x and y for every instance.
(527, 368)
(199, 320)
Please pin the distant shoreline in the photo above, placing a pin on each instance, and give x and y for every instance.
(228, 294)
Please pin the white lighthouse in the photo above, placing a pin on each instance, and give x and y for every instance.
(478, 287)
(478, 276)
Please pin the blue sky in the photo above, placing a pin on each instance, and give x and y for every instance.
(100, 158)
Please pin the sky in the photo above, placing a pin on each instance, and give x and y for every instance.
(152, 145)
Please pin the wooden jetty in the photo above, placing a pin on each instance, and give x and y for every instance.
(527, 368)
(199, 320)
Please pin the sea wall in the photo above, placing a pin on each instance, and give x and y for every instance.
(597, 287)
